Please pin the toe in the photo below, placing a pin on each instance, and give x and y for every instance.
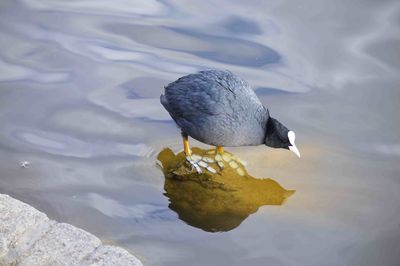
(212, 170)
(202, 164)
(233, 164)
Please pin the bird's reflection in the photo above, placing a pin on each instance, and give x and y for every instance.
(215, 202)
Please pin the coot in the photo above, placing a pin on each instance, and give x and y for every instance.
(219, 108)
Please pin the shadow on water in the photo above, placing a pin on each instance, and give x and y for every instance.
(215, 202)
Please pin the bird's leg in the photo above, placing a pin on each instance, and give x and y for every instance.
(197, 161)
(223, 158)
(220, 149)
(186, 147)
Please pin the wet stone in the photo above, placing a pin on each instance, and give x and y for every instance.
(218, 157)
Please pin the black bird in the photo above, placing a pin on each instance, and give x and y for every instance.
(219, 108)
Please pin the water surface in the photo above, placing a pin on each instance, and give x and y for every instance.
(79, 88)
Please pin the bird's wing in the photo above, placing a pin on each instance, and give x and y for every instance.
(194, 96)
(198, 97)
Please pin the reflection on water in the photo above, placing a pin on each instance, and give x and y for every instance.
(215, 202)
(79, 98)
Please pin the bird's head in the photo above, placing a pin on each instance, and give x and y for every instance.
(278, 136)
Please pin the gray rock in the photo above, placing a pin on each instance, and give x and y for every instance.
(28, 237)
(63, 244)
(16, 219)
(26, 242)
(111, 256)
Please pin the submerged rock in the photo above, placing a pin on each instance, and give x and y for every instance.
(217, 201)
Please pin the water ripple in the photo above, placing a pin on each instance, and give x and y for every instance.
(114, 208)
(60, 144)
(222, 49)
(12, 72)
(101, 7)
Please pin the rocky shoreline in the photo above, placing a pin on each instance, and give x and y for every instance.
(28, 237)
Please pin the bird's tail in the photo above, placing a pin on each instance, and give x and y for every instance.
(164, 102)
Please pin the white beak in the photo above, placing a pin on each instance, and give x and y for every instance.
(293, 147)
(295, 150)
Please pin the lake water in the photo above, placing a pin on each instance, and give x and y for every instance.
(79, 99)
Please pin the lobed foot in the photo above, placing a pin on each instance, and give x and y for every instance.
(231, 161)
(200, 163)
(223, 160)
